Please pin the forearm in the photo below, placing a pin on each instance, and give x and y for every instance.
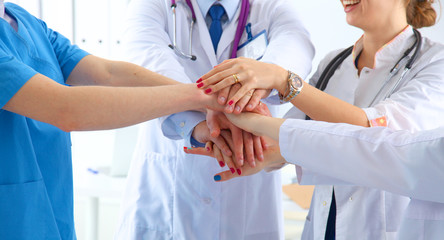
(108, 108)
(257, 124)
(93, 70)
(321, 106)
(95, 107)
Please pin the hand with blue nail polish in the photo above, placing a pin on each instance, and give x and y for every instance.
(245, 145)
(272, 160)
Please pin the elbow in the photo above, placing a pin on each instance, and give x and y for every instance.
(66, 121)
(67, 127)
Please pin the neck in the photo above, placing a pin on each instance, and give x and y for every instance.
(375, 39)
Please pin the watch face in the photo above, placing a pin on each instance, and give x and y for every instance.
(296, 81)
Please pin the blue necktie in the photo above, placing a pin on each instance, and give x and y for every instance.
(216, 12)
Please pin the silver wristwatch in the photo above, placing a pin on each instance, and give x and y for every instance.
(294, 87)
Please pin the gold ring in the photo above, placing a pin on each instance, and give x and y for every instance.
(236, 79)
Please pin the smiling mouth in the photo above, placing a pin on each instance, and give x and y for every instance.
(348, 3)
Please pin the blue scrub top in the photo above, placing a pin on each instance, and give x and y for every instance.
(36, 190)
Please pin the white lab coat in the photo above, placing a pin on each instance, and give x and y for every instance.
(401, 162)
(417, 104)
(171, 195)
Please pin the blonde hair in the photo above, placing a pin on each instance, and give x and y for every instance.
(420, 13)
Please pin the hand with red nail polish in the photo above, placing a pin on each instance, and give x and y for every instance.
(272, 159)
(202, 134)
(217, 122)
(251, 74)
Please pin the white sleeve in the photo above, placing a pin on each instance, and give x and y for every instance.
(289, 42)
(419, 103)
(146, 39)
(146, 44)
(394, 161)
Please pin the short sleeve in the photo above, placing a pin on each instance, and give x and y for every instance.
(68, 55)
(14, 75)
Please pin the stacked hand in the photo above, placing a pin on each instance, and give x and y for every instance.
(230, 139)
(251, 75)
(229, 144)
(272, 159)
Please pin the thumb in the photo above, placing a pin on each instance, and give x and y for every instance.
(214, 127)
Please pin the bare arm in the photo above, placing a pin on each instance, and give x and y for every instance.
(97, 107)
(254, 74)
(92, 70)
(257, 124)
(321, 106)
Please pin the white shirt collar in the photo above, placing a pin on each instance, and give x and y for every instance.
(2, 9)
(391, 50)
(230, 6)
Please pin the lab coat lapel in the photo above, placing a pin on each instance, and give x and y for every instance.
(204, 34)
(228, 35)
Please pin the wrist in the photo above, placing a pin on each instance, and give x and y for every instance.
(294, 87)
(196, 130)
(281, 81)
(196, 97)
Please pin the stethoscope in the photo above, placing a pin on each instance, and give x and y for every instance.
(245, 9)
(336, 62)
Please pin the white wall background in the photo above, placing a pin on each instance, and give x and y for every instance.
(97, 25)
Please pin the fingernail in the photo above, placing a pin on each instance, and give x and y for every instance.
(200, 85)
(217, 178)
(222, 99)
(230, 102)
(208, 149)
(229, 108)
(208, 90)
(253, 164)
(238, 109)
(250, 106)
(239, 172)
(232, 170)
(222, 164)
(185, 148)
(261, 157)
(198, 81)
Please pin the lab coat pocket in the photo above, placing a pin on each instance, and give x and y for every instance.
(149, 198)
(26, 212)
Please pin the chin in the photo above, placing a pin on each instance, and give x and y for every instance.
(352, 22)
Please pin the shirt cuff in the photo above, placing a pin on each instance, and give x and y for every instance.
(194, 143)
(181, 125)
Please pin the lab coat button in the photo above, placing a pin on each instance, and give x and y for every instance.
(182, 134)
(207, 200)
(367, 71)
(324, 203)
(182, 124)
(351, 198)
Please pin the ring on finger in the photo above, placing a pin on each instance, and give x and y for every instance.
(236, 78)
